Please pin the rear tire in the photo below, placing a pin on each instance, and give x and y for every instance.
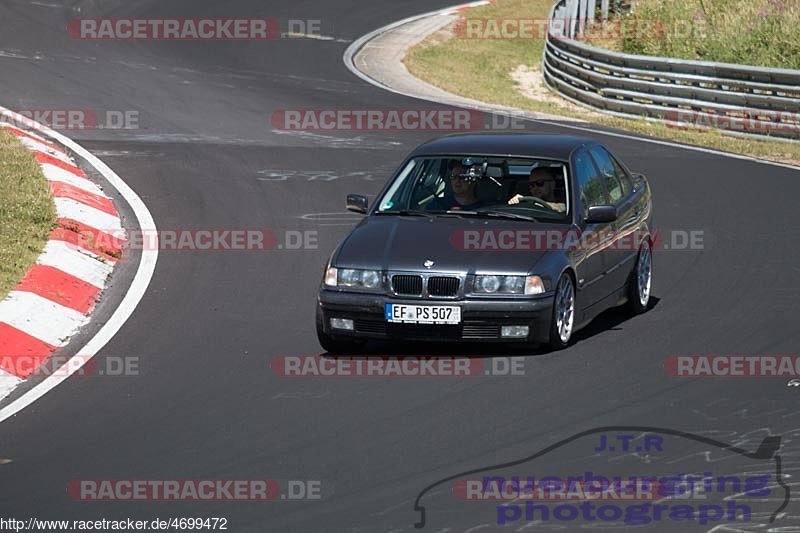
(562, 323)
(639, 287)
(336, 345)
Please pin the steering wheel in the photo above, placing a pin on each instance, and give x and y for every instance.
(536, 200)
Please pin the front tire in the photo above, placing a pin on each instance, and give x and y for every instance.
(640, 285)
(562, 324)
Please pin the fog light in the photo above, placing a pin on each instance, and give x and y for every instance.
(342, 323)
(514, 331)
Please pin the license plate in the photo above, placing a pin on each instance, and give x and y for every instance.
(423, 314)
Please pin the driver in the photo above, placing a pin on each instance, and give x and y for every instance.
(463, 191)
(542, 181)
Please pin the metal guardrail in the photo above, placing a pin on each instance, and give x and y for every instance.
(737, 99)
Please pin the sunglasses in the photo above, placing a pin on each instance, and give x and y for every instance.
(538, 183)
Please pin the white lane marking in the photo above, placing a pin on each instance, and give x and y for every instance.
(41, 147)
(54, 173)
(298, 35)
(86, 214)
(41, 318)
(76, 262)
(12, 55)
(134, 294)
(8, 382)
(353, 49)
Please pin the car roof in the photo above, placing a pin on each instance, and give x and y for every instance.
(557, 147)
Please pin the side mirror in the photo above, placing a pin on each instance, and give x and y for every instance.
(600, 214)
(357, 203)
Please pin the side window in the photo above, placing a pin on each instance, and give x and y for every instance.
(627, 184)
(590, 183)
(609, 173)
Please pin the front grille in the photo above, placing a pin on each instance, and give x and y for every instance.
(407, 284)
(480, 330)
(364, 325)
(423, 332)
(443, 286)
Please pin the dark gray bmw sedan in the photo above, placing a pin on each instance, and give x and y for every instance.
(501, 237)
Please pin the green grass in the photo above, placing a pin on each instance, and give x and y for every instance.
(27, 212)
(481, 69)
(750, 32)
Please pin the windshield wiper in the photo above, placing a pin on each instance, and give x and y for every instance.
(492, 214)
(405, 212)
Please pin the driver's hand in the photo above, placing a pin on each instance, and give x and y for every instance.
(515, 199)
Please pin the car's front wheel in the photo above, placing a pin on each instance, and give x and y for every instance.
(336, 345)
(641, 280)
(563, 320)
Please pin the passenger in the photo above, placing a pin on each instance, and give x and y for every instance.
(463, 192)
(541, 182)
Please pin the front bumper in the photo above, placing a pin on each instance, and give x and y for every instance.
(481, 319)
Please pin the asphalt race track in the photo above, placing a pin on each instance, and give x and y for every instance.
(206, 404)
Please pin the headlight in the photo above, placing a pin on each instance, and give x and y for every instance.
(353, 278)
(487, 283)
(492, 284)
(349, 277)
(371, 279)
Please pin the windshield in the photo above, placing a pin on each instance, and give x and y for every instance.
(480, 186)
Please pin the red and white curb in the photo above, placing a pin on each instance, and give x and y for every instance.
(54, 299)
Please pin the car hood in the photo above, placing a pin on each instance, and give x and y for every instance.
(405, 243)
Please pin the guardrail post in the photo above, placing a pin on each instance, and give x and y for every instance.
(604, 10)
